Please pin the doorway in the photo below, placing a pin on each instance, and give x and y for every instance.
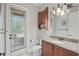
(16, 29)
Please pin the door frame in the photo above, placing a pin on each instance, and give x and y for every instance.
(8, 30)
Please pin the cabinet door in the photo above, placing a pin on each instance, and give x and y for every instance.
(69, 53)
(58, 51)
(46, 49)
(73, 25)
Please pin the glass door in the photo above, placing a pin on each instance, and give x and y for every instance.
(17, 21)
(16, 31)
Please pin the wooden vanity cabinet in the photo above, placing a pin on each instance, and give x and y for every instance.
(49, 49)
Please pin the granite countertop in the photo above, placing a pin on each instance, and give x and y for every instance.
(71, 45)
(66, 39)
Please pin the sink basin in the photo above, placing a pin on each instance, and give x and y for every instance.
(58, 42)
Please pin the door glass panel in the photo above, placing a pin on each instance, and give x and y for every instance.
(17, 40)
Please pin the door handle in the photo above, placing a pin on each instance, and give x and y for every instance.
(10, 34)
(11, 38)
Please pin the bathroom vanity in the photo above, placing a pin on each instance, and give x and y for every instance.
(55, 47)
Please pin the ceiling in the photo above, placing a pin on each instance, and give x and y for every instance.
(42, 4)
(38, 4)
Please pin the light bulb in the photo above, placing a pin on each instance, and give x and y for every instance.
(54, 12)
(58, 10)
(62, 13)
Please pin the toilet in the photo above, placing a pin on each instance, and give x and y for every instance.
(36, 50)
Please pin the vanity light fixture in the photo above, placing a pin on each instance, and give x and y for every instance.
(62, 10)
